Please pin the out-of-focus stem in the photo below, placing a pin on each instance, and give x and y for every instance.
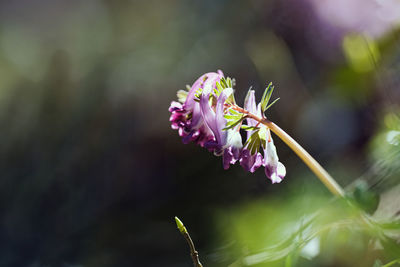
(315, 167)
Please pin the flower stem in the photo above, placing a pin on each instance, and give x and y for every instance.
(315, 167)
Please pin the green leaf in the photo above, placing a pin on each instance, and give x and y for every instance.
(232, 117)
(231, 99)
(249, 128)
(253, 143)
(263, 143)
(219, 88)
(224, 83)
(252, 136)
(232, 111)
(232, 123)
(272, 103)
(255, 147)
(266, 97)
(229, 82)
(263, 133)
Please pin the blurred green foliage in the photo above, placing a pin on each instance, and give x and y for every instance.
(305, 230)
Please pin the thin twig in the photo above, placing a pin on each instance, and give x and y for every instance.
(193, 252)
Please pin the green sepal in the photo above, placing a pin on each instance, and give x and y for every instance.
(232, 123)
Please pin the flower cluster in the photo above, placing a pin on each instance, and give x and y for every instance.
(207, 114)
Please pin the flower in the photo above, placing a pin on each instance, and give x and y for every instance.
(251, 162)
(274, 169)
(208, 115)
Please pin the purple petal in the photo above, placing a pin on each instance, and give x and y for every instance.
(276, 175)
(274, 169)
(190, 137)
(251, 106)
(175, 106)
(219, 116)
(281, 170)
(229, 157)
(250, 162)
(196, 120)
(208, 115)
(205, 79)
(214, 120)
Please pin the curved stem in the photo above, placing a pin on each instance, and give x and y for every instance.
(315, 167)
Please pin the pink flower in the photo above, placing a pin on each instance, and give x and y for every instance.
(208, 115)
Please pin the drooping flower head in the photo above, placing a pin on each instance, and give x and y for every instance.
(208, 115)
(186, 115)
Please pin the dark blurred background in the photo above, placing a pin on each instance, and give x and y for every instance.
(91, 174)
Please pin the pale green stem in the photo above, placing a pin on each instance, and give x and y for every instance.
(315, 167)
